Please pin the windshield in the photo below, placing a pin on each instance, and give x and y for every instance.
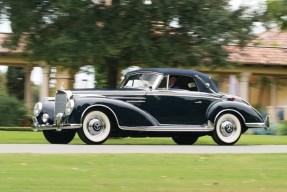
(140, 80)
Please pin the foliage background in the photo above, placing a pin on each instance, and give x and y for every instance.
(12, 111)
(113, 36)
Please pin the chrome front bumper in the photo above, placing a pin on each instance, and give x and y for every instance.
(57, 126)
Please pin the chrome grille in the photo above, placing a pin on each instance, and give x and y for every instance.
(60, 103)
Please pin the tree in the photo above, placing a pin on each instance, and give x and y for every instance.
(3, 91)
(277, 10)
(12, 111)
(111, 36)
(15, 82)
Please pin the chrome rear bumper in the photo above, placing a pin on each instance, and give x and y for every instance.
(267, 121)
(264, 124)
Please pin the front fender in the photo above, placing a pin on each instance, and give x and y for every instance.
(246, 112)
(125, 113)
(48, 108)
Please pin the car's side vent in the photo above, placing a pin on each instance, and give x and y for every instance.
(60, 103)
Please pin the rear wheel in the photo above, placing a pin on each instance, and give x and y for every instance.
(227, 130)
(96, 128)
(185, 140)
(59, 137)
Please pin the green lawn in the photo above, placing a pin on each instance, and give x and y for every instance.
(37, 137)
(142, 172)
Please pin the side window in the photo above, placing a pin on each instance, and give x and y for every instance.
(182, 82)
(163, 83)
(187, 83)
(192, 86)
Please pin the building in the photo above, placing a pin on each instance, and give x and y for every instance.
(259, 73)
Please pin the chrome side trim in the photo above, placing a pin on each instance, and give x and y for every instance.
(127, 98)
(170, 128)
(183, 93)
(87, 95)
(135, 101)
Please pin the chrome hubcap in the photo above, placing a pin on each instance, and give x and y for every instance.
(96, 126)
(227, 128)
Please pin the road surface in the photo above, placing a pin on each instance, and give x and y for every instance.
(118, 149)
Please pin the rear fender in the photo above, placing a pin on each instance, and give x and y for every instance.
(246, 113)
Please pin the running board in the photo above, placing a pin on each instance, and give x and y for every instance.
(171, 128)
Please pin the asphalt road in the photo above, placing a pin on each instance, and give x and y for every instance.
(119, 149)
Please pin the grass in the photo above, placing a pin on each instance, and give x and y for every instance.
(37, 137)
(143, 172)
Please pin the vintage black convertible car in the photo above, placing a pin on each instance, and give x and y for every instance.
(147, 105)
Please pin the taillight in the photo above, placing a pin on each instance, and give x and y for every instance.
(230, 98)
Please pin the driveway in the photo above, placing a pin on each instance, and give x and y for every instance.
(118, 149)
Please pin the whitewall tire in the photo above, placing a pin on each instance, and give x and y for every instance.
(227, 130)
(96, 128)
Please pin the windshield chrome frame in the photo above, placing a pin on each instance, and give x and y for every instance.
(154, 85)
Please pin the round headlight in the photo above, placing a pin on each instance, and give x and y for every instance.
(69, 107)
(37, 109)
(45, 117)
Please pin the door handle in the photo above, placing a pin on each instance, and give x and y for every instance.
(198, 102)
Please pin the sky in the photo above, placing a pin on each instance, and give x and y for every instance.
(83, 80)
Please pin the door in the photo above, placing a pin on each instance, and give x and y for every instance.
(178, 107)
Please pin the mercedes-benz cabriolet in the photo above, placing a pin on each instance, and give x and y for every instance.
(155, 102)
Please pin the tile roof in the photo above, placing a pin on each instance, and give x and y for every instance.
(257, 55)
(269, 48)
(273, 37)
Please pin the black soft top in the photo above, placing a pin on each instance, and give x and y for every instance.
(176, 71)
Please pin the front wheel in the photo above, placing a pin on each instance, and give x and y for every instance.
(185, 140)
(59, 137)
(96, 128)
(227, 130)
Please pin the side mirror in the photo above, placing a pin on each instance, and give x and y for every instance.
(207, 85)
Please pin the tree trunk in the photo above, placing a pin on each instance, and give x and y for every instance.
(112, 66)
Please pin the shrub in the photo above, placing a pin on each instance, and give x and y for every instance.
(261, 131)
(282, 128)
(12, 111)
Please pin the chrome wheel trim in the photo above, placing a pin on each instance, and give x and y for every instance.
(96, 126)
(228, 128)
